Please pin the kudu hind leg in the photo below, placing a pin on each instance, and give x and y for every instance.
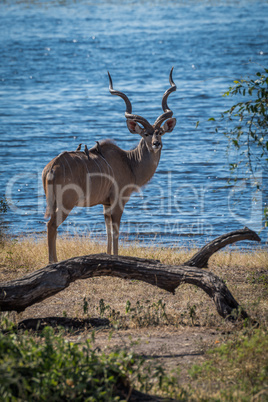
(56, 219)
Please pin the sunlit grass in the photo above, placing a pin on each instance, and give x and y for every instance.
(31, 252)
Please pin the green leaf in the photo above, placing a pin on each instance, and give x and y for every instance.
(211, 119)
(197, 124)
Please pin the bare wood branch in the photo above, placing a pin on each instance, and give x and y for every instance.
(21, 293)
(200, 259)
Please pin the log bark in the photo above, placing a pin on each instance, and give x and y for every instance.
(19, 294)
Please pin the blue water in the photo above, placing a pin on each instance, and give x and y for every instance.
(54, 57)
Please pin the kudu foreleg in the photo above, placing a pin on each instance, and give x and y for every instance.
(108, 224)
(116, 219)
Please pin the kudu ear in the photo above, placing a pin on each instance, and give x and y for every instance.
(133, 127)
(169, 125)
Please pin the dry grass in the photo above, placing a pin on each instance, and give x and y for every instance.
(31, 253)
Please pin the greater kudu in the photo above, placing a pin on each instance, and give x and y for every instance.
(106, 174)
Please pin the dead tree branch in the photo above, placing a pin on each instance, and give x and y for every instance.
(200, 259)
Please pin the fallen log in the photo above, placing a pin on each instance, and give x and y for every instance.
(21, 293)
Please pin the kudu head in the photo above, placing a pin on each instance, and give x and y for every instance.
(151, 133)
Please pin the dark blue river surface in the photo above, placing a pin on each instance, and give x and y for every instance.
(54, 57)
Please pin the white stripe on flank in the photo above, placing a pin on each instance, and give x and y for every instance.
(68, 165)
(100, 175)
(108, 165)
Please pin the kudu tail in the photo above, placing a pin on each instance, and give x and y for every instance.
(50, 194)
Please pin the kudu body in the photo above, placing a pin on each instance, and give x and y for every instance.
(105, 175)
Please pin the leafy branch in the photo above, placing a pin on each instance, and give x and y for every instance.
(248, 132)
(3, 205)
(246, 127)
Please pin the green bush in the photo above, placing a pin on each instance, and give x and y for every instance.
(50, 368)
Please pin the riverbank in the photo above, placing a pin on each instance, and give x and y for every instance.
(175, 331)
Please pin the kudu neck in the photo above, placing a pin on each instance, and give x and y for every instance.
(143, 163)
